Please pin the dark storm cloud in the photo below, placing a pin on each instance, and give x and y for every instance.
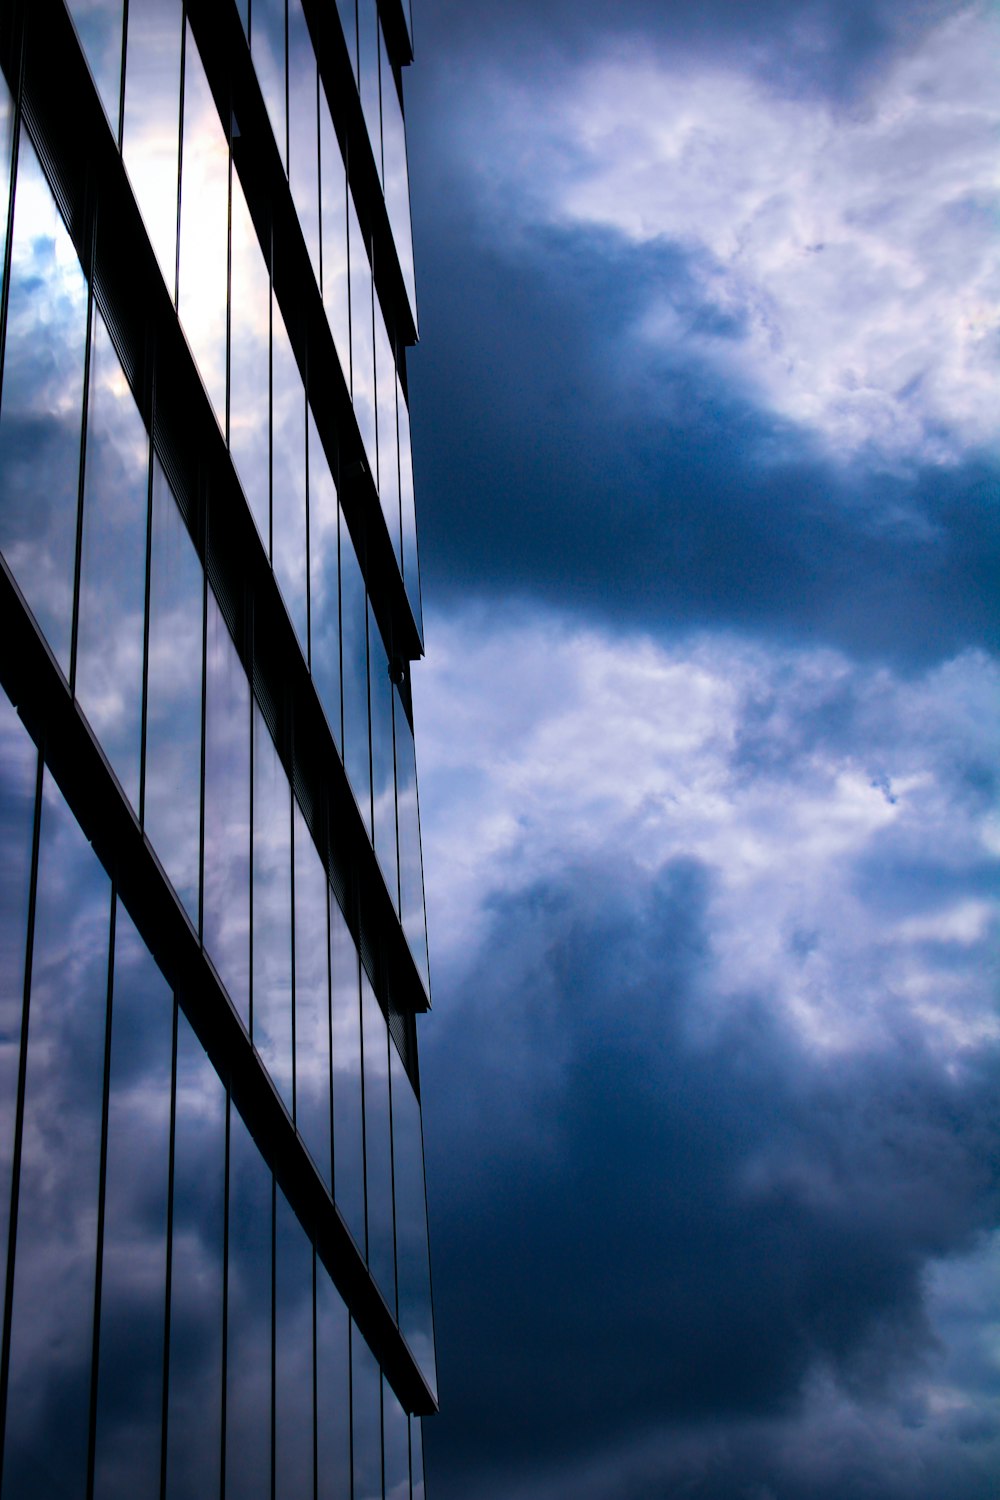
(648, 1222)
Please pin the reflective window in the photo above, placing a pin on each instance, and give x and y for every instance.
(362, 335)
(248, 1319)
(272, 910)
(324, 581)
(354, 671)
(204, 230)
(348, 1126)
(411, 869)
(267, 46)
(312, 999)
(383, 769)
(416, 1459)
(99, 26)
(348, 20)
(407, 513)
(51, 1329)
(42, 406)
(388, 450)
(396, 182)
(366, 1424)
(333, 198)
(293, 1355)
(194, 1411)
(333, 1392)
(113, 563)
(249, 381)
(150, 135)
(288, 477)
(416, 1319)
(226, 890)
(6, 148)
(134, 1262)
(303, 130)
(172, 797)
(395, 1446)
(368, 40)
(378, 1144)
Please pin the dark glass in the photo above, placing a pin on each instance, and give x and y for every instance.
(395, 1446)
(248, 1319)
(151, 130)
(362, 335)
(411, 870)
(18, 769)
(272, 910)
(312, 999)
(172, 799)
(368, 47)
(324, 581)
(366, 1422)
(388, 446)
(333, 1392)
(113, 563)
(293, 1355)
(416, 1317)
(333, 200)
(204, 230)
(303, 130)
(378, 1144)
(416, 1459)
(396, 181)
(354, 673)
(249, 379)
(226, 889)
(194, 1411)
(99, 26)
(52, 1317)
(42, 406)
(267, 46)
(407, 512)
(6, 148)
(134, 1263)
(346, 9)
(288, 477)
(348, 1116)
(383, 768)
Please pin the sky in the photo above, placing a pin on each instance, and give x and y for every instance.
(707, 461)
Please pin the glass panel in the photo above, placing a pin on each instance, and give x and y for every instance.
(226, 891)
(395, 1446)
(51, 1331)
(333, 1392)
(416, 1318)
(113, 563)
(348, 1127)
(249, 381)
(194, 1412)
(416, 1459)
(368, 40)
(150, 137)
(272, 910)
(303, 130)
(267, 46)
(204, 248)
(312, 999)
(388, 451)
(6, 147)
(396, 181)
(18, 764)
(348, 20)
(99, 26)
(293, 1356)
(407, 512)
(362, 335)
(172, 799)
(248, 1319)
(324, 582)
(383, 770)
(354, 667)
(378, 1144)
(288, 477)
(411, 868)
(366, 1424)
(333, 196)
(41, 412)
(134, 1267)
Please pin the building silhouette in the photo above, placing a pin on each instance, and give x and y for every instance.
(212, 936)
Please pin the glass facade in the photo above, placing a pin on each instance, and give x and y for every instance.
(213, 1233)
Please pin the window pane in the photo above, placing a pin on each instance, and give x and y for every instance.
(333, 190)
(248, 1361)
(99, 26)
(388, 450)
(348, 20)
(267, 46)
(366, 1422)
(354, 667)
(368, 39)
(249, 384)
(204, 251)
(416, 1319)
(312, 999)
(333, 1392)
(324, 582)
(396, 176)
(293, 1355)
(51, 1331)
(42, 406)
(395, 1446)
(348, 1128)
(134, 1267)
(411, 869)
(194, 1413)
(226, 891)
(272, 910)
(172, 810)
(407, 513)
(303, 130)
(288, 477)
(416, 1459)
(383, 770)
(6, 147)
(113, 563)
(362, 335)
(150, 138)
(378, 1145)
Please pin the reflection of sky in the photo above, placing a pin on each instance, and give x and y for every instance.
(705, 447)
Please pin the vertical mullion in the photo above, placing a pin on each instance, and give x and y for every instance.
(101, 1201)
(180, 158)
(225, 1301)
(145, 627)
(121, 95)
(291, 845)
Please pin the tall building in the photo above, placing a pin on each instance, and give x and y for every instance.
(213, 1239)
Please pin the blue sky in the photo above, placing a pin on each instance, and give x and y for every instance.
(706, 451)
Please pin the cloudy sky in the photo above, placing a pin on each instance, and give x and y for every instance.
(706, 443)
